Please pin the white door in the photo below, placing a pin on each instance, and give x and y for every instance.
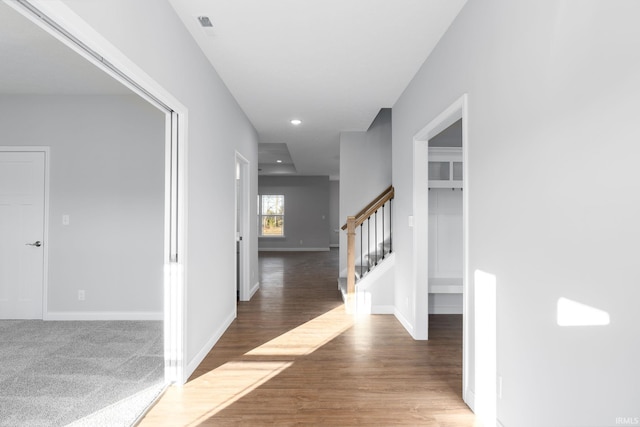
(239, 258)
(242, 227)
(22, 191)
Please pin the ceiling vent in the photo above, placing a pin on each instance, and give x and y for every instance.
(205, 21)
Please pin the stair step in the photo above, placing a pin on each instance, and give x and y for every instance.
(342, 287)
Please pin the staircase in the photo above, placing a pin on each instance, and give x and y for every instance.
(367, 283)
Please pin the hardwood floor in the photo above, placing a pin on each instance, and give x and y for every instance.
(294, 357)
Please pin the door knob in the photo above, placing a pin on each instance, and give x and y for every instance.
(36, 244)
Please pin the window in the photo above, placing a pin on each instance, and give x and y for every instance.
(271, 215)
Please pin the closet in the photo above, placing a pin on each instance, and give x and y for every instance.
(446, 185)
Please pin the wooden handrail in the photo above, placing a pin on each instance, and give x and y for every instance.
(376, 204)
(350, 226)
(375, 201)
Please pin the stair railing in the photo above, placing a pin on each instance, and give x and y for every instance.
(380, 231)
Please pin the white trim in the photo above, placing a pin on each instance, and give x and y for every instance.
(57, 19)
(294, 249)
(404, 322)
(179, 284)
(105, 315)
(446, 309)
(45, 233)
(334, 245)
(383, 309)
(245, 226)
(467, 321)
(471, 399)
(200, 355)
(420, 273)
(254, 289)
(457, 110)
(45, 230)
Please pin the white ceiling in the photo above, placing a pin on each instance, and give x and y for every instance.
(331, 63)
(274, 159)
(33, 62)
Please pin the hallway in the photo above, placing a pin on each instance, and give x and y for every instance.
(293, 357)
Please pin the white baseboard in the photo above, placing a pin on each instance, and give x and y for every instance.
(253, 290)
(103, 315)
(199, 357)
(334, 245)
(293, 249)
(470, 399)
(403, 320)
(445, 309)
(382, 309)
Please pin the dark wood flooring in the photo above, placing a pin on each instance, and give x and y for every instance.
(294, 357)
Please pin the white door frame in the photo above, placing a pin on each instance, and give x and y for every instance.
(242, 167)
(458, 110)
(45, 232)
(62, 23)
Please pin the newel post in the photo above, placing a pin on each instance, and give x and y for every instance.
(351, 259)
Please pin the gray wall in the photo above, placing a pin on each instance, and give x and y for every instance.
(217, 127)
(107, 174)
(553, 194)
(334, 213)
(365, 170)
(306, 201)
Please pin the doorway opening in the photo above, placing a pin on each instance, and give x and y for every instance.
(446, 177)
(446, 186)
(243, 206)
(69, 29)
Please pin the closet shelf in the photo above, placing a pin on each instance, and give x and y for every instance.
(445, 167)
(440, 285)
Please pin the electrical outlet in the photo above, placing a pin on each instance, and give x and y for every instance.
(65, 219)
(300, 241)
(81, 295)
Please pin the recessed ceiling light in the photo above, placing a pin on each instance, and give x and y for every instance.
(296, 122)
(205, 21)
(278, 161)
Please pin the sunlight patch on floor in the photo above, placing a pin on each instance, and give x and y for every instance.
(307, 338)
(210, 393)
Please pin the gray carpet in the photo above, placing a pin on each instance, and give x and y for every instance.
(58, 373)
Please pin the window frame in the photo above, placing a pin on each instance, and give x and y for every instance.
(262, 215)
